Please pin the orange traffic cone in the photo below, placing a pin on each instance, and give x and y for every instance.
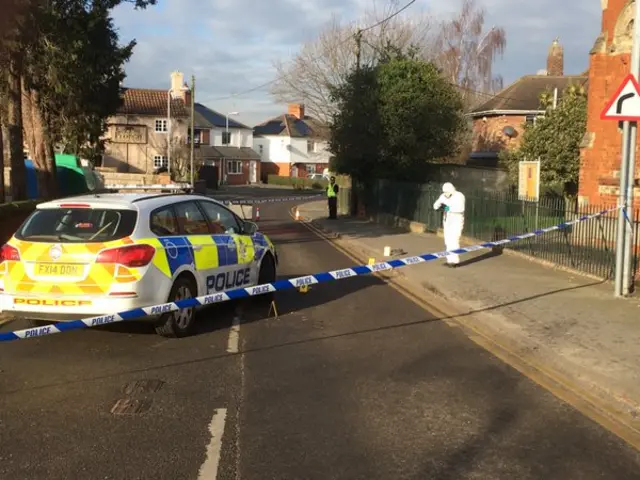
(257, 213)
(297, 214)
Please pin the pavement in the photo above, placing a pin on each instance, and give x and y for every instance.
(351, 380)
(568, 326)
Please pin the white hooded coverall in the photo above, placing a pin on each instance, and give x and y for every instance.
(453, 219)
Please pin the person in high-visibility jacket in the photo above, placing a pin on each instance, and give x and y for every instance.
(332, 198)
(452, 201)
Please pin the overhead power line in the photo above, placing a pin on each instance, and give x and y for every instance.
(260, 87)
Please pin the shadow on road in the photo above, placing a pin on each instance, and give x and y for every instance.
(294, 301)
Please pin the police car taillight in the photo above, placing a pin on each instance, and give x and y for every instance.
(129, 256)
(9, 253)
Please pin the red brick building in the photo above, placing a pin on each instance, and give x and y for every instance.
(498, 123)
(602, 144)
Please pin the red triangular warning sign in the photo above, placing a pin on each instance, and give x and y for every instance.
(625, 103)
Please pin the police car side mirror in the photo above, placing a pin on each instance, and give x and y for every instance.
(249, 228)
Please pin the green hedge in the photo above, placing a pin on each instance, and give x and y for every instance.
(300, 183)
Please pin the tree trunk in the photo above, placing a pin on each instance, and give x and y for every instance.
(2, 192)
(13, 139)
(39, 142)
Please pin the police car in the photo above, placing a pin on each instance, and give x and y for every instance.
(100, 254)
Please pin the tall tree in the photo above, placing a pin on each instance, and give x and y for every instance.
(356, 131)
(68, 67)
(327, 61)
(422, 115)
(555, 140)
(467, 52)
(394, 119)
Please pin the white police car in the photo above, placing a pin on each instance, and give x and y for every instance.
(100, 254)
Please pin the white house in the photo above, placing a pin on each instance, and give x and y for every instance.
(291, 145)
(226, 144)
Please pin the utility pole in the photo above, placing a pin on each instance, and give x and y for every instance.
(193, 122)
(169, 131)
(358, 38)
(624, 241)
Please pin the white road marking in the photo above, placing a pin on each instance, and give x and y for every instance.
(209, 469)
(234, 336)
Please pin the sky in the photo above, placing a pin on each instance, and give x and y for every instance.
(230, 46)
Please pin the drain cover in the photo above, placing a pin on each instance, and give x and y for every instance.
(143, 386)
(130, 406)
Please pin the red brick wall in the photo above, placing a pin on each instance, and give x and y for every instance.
(241, 178)
(602, 146)
(318, 168)
(488, 136)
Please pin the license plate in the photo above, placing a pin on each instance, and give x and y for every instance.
(59, 270)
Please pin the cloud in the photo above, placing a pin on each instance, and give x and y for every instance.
(230, 45)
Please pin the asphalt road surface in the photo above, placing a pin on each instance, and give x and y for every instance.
(350, 381)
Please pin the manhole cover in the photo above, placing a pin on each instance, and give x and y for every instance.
(143, 386)
(130, 406)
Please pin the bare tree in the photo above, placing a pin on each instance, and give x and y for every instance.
(327, 60)
(467, 52)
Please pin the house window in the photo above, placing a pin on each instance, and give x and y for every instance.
(530, 119)
(161, 125)
(311, 146)
(234, 167)
(197, 137)
(261, 149)
(226, 138)
(160, 161)
(311, 169)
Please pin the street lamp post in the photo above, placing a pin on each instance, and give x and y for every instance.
(169, 132)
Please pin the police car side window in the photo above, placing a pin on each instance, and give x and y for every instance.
(221, 219)
(190, 219)
(163, 222)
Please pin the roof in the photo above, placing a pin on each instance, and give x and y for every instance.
(128, 201)
(524, 94)
(207, 118)
(290, 126)
(230, 153)
(147, 101)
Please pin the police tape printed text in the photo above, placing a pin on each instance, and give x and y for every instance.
(452, 201)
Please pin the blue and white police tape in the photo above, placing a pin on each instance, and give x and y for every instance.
(279, 285)
(254, 201)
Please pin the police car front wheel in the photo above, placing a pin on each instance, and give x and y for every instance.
(181, 322)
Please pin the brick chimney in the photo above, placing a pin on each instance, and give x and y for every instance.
(296, 110)
(555, 60)
(177, 85)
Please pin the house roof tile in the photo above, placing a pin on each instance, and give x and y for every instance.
(524, 94)
(230, 153)
(207, 118)
(146, 101)
(291, 126)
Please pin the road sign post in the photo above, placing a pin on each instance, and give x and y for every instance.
(625, 106)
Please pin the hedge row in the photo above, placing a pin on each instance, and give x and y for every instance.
(300, 183)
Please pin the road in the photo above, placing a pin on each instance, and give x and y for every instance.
(350, 381)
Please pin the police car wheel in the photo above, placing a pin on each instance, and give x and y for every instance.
(181, 322)
(267, 274)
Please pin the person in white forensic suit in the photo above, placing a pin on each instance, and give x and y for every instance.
(452, 201)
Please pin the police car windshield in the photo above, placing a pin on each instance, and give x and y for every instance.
(77, 225)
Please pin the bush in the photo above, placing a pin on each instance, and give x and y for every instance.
(296, 183)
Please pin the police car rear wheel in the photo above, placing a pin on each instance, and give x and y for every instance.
(181, 322)
(267, 274)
